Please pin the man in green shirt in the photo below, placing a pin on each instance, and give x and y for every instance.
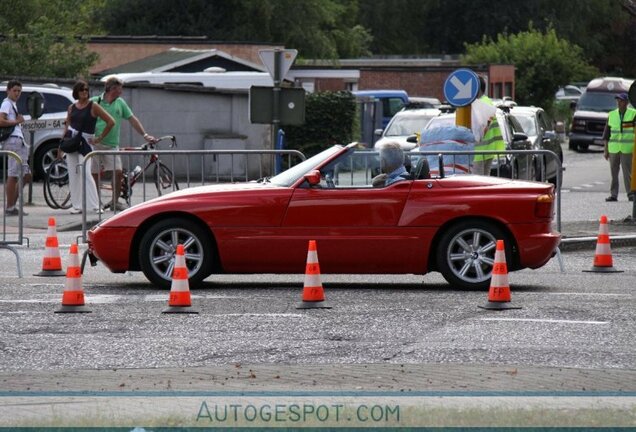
(117, 107)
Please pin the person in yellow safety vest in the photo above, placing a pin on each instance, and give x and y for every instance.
(618, 142)
(486, 129)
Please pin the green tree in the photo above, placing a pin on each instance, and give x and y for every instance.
(542, 62)
(43, 37)
(316, 28)
(606, 29)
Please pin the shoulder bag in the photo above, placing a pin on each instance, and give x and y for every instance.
(72, 144)
(5, 132)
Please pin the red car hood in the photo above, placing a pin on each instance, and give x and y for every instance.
(201, 199)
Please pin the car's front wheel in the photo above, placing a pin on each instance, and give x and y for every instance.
(466, 253)
(158, 249)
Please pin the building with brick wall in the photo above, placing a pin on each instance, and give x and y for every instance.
(418, 76)
(117, 50)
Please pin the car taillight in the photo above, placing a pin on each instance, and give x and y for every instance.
(543, 209)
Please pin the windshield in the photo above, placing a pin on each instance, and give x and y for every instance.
(527, 123)
(441, 121)
(597, 101)
(289, 177)
(407, 125)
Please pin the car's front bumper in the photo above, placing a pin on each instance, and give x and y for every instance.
(585, 139)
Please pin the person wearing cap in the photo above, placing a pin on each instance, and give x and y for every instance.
(112, 102)
(618, 143)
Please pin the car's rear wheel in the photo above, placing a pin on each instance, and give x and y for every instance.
(44, 157)
(466, 253)
(158, 247)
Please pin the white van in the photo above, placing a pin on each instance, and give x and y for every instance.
(219, 80)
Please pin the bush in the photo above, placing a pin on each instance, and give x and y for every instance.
(329, 118)
(562, 111)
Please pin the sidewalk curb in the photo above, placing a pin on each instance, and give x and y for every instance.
(588, 243)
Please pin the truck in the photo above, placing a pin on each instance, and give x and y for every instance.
(592, 108)
(392, 101)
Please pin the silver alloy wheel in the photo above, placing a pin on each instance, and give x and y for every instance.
(48, 158)
(163, 249)
(471, 255)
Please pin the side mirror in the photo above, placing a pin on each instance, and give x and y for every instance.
(519, 136)
(549, 135)
(573, 105)
(412, 139)
(378, 132)
(520, 142)
(313, 177)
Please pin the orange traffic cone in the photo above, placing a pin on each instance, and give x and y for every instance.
(180, 301)
(51, 263)
(313, 293)
(73, 297)
(603, 255)
(499, 292)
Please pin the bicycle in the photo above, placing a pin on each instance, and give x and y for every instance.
(162, 175)
(57, 193)
(56, 183)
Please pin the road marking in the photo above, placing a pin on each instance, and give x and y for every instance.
(545, 320)
(592, 294)
(262, 315)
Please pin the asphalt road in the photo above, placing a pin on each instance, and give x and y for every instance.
(395, 334)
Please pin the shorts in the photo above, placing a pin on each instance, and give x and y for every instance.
(105, 162)
(17, 145)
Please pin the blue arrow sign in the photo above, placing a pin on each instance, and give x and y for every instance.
(461, 87)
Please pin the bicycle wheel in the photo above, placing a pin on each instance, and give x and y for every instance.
(164, 180)
(57, 192)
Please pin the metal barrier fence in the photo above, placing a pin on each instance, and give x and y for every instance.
(522, 164)
(208, 167)
(517, 164)
(9, 234)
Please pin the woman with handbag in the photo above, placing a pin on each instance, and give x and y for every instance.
(79, 128)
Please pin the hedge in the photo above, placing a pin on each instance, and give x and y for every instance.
(329, 119)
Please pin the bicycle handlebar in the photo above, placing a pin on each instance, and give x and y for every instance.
(151, 145)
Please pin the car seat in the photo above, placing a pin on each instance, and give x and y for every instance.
(422, 170)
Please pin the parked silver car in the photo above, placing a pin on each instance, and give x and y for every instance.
(404, 124)
(542, 136)
(56, 102)
(520, 167)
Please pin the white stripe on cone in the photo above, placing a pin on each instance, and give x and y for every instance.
(180, 284)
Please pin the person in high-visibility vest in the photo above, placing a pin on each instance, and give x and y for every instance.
(486, 129)
(618, 142)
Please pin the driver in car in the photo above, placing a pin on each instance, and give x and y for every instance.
(391, 165)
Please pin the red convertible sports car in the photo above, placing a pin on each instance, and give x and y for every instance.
(447, 224)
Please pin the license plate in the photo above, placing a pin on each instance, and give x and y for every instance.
(598, 141)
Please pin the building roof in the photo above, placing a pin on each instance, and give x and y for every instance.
(186, 60)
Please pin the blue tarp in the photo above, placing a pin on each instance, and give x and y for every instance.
(448, 138)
